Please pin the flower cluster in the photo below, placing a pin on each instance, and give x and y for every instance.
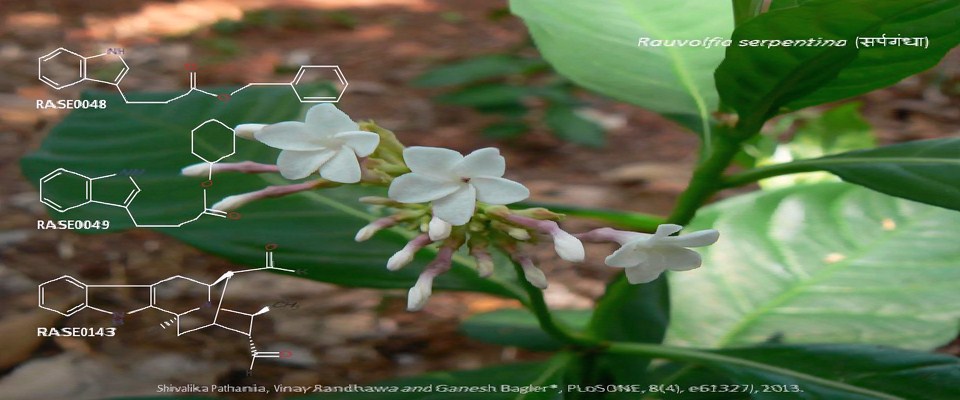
(444, 198)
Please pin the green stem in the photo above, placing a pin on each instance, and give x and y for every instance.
(538, 306)
(707, 179)
(626, 220)
(757, 174)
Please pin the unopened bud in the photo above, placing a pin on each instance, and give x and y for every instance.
(439, 229)
(533, 274)
(248, 131)
(234, 202)
(568, 247)
(199, 169)
(420, 292)
(405, 255)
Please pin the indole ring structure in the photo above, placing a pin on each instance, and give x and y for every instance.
(77, 189)
(242, 322)
(68, 58)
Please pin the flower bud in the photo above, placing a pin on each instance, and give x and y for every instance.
(568, 247)
(247, 131)
(533, 274)
(484, 262)
(372, 228)
(405, 255)
(420, 292)
(236, 201)
(439, 229)
(198, 169)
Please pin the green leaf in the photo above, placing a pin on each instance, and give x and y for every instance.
(568, 125)
(517, 327)
(927, 171)
(841, 372)
(477, 69)
(595, 44)
(758, 80)
(821, 263)
(492, 95)
(631, 313)
(314, 230)
(778, 4)
(548, 375)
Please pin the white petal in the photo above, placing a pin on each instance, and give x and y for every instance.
(326, 120)
(438, 229)
(432, 161)
(483, 162)
(419, 188)
(678, 258)
(247, 131)
(457, 208)
(300, 164)
(363, 143)
(665, 230)
(695, 239)
(568, 247)
(343, 167)
(626, 256)
(643, 274)
(290, 135)
(499, 190)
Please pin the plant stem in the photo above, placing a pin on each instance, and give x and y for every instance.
(707, 179)
(549, 325)
(757, 174)
(626, 220)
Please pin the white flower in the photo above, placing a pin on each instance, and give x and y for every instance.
(644, 257)
(328, 141)
(454, 183)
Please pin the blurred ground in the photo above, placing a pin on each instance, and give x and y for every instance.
(341, 336)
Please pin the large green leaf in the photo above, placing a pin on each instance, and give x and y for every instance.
(821, 263)
(487, 383)
(314, 230)
(631, 313)
(927, 171)
(839, 372)
(595, 43)
(758, 80)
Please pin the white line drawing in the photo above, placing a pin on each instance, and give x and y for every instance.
(67, 284)
(328, 71)
(72, 180)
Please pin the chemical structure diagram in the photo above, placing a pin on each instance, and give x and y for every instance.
(239, 321)
(65, 59)
(63, 189)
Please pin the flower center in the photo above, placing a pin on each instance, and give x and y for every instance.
(465, 179)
